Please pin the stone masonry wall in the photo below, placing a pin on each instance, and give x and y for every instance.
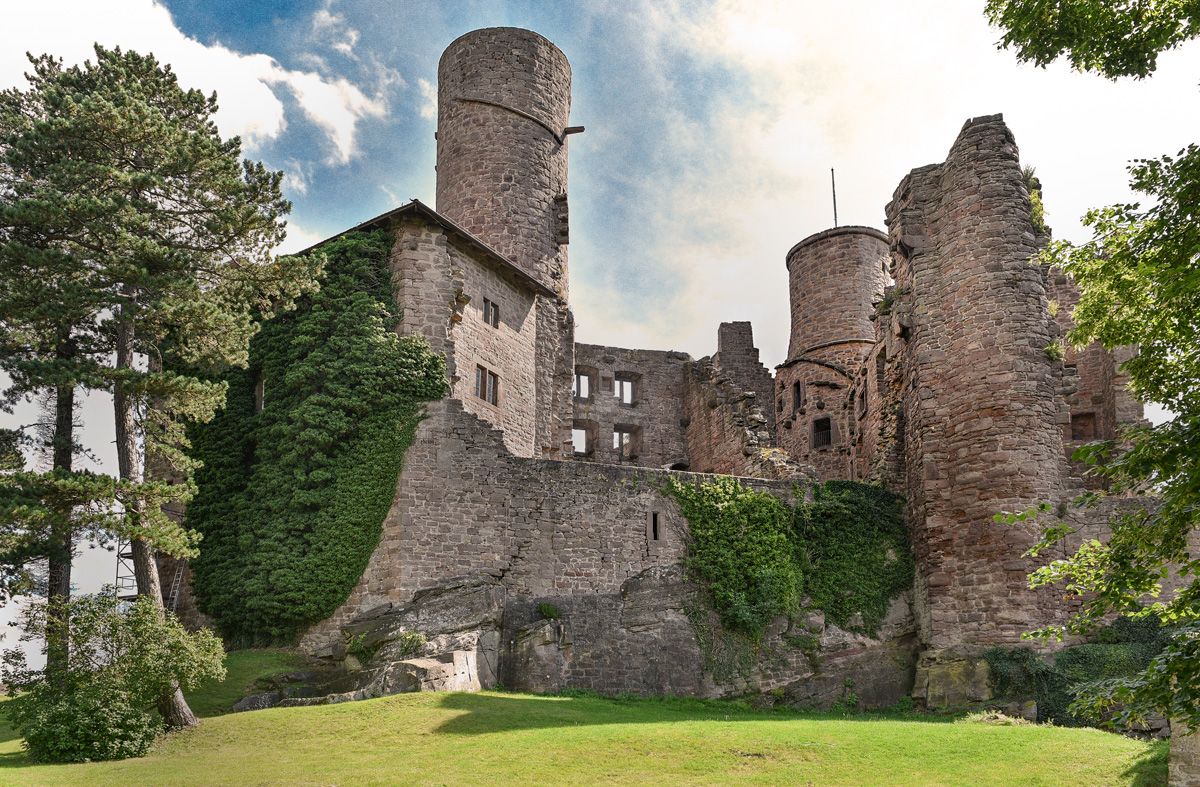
(727, 428)
(655, 415)
(983, 402)
(737, 357)
(465, 505)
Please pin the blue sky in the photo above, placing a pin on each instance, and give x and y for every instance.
(711, 126)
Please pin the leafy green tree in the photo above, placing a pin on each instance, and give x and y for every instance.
(152, 237)
(99, 704)
(1140, 282)
(1112, 37)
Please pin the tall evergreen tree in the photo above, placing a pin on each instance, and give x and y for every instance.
(133, 231)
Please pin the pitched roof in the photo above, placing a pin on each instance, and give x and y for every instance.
(423, 211)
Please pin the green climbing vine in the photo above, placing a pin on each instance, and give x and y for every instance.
(293, 493)
(755, 556)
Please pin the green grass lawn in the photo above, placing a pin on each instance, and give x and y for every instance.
(494, 738)
(242, 668)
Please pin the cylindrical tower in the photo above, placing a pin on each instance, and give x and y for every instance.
(504, 97)
(835, 278)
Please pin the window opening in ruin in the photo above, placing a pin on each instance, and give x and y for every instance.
(1083, 427)
(781, 405)
(862, 402)
(583, 385)
(625, 443)
(623, 389)
(580, 441)
(260, 392)
(487, 385)
(653, 530)
(822, 433)
(491, 313)
(797, 395)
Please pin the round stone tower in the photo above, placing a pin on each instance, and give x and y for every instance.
(504, 97)
(835, 278)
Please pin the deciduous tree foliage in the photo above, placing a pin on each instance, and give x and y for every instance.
(1111, 37)
(1140, 283)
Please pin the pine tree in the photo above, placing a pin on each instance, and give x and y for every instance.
(132, 231)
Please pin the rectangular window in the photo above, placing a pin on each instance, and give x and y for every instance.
(623, 443)
(654, 532)
(487, 385)
(822, 433)
(862, 401)
(797, 395)
(491, 313)
(579, 439)
(583, 386)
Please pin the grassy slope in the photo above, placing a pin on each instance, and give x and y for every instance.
(242, 668)
(509, 739)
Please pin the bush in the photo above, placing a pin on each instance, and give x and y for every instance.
(547, 610)
(122, 659)
(93, 722)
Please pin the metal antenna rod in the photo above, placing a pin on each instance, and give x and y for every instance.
(833, 183)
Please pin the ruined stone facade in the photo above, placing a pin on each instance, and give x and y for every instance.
(918, 360)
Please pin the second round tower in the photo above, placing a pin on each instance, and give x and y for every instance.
(504, 98)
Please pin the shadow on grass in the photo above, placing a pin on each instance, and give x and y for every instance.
(489, 713)
(1150, 770)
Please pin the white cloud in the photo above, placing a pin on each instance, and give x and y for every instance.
(244, 83)
(871, 89)
(429, 95)
(298, 239)
(333, 28)
(334, 105)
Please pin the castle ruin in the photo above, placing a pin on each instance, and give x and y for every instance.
(918, 359)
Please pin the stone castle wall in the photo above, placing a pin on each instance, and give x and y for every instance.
(983, 404)
(654, 417)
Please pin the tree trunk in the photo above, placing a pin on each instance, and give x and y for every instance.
(171, 705)
(58, 632)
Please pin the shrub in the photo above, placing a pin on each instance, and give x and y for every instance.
(122, 659)
(755, 555)
(547, 610)
(92, 722)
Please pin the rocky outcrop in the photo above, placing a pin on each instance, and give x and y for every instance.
(445, 639)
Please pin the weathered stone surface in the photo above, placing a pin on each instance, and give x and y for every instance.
(950, 679)
(257, 701)
(1183, 768)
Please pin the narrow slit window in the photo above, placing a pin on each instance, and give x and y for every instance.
(797, 395)
(654, 533)
(1083, 427)
(487, 385)
(822, 433)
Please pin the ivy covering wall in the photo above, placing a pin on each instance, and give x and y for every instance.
(756, 556)
(292, 496)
